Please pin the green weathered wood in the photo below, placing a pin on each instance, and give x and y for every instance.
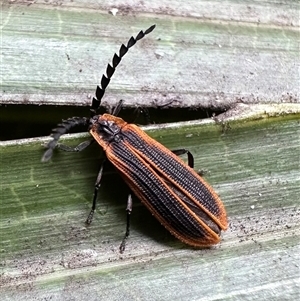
(47, 252)
(202, 53)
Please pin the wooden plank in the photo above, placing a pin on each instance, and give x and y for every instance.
(202, 53)
(47, 252)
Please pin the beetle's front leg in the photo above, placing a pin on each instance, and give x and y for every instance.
(80, 147)
(97, 186)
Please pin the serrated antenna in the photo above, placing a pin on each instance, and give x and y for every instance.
(110, 69)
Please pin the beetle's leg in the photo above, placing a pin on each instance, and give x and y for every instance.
(183, 151)
(128, 210)
(116, 110)
(97, 186)
(139, 110)
(81, 146)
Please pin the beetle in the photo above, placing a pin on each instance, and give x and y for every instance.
(174, 193)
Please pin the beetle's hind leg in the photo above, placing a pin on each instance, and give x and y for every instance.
(80, 147)
(128, 210)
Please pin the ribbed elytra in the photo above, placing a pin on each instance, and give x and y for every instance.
(173, 192)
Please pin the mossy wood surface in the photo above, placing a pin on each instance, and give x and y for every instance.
(48, 253)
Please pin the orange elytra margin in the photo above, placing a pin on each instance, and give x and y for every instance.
(174, 193)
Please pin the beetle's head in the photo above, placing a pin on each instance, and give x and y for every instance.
(104, 128)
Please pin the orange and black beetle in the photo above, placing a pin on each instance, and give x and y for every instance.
(173, 192)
